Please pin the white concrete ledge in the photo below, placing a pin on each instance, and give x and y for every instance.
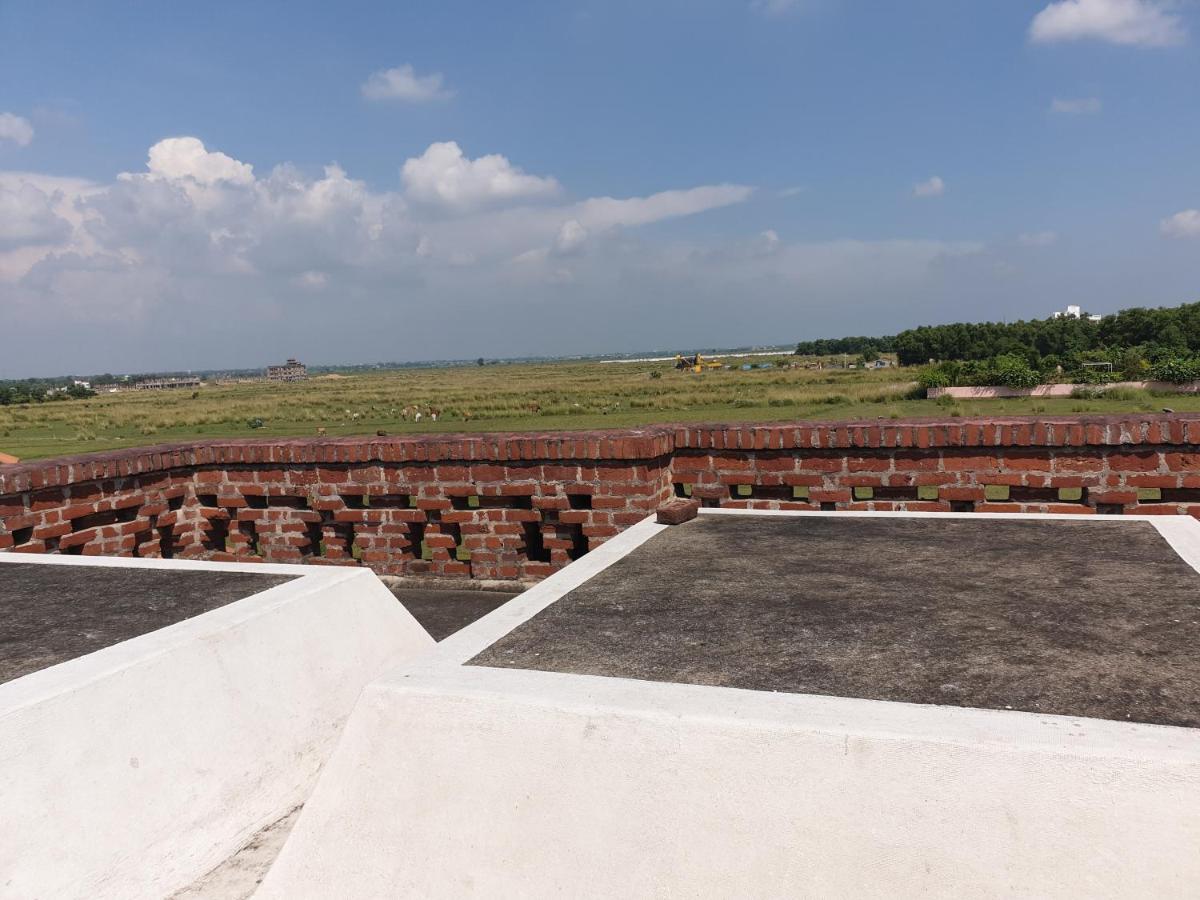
(455, 780)
(131, 771)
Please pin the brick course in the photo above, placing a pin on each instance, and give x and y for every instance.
(522, 506)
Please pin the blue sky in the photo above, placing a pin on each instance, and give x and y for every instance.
(370, 181)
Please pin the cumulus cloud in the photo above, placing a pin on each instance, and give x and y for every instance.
(1185, 224)
(199, 226)
(404, 84)
(571, 237)
(1137, 23)
(16, 129)
(932, 187)
(187, 157)
(27, 216)
(1082, 106)
(444, 176)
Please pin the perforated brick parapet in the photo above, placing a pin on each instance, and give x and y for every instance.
(523, 505)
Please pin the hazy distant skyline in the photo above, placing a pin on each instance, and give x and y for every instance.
(226, 186)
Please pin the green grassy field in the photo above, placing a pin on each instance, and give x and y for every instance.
(542, 397)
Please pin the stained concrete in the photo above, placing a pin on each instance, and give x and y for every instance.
(443, 612)
(1075, 618)
(49, 614)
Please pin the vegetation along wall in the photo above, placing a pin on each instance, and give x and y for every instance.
(521, 506)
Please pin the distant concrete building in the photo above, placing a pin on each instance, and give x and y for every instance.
(161, 384)
(292, 370)
(1075, 312)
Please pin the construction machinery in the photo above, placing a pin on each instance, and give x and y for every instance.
(696, 363)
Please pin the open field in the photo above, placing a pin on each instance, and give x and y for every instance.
(541, 397)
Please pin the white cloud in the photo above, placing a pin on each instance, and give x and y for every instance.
(605, 212)
(404, 84)
(1138, 23)
(16, 129)
(198, 223)
(1185, 224)
(444, 176)
(311, 280)
(27, 216)
(796, 191)
(933, 187)
(571, 237)
(1081, 106)
(1037, 238)
(187, 157)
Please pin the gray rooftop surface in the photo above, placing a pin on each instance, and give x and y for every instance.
(443, 612)
(52, 613)
(1075, 618)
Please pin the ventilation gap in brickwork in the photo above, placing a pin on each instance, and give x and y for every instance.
(1110, 509)
(681, 489)
(828, 506)
(52, 545)
(775, 492)
(74, 550)
(287, 502)
(391, 501)
(216, 535)
(461, 503)
(710, 502)
(580, 501)
(535, 547)
(250, 532)
(962, 506)
(579, 543)
(515, 501)
(97, 520)
(416, 537)
(1171, 495)
(896, 493)
(166, 541)
(209, 500)
(344, 531)
(1036, 495)
(22, 535)
(316, 540)
(175, 503)
(743, 491)
(256, 501)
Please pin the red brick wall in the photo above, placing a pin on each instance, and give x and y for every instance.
(521, 506)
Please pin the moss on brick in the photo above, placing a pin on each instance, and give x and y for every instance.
(995, 491)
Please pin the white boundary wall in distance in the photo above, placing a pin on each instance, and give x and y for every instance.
(132, 771)
(465, 781)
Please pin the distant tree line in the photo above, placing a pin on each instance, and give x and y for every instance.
(1138, 343)
(869, 347)
(41, 390)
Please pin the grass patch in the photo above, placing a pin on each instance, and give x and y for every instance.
(536, 397)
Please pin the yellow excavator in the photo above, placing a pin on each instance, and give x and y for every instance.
(696, 363)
